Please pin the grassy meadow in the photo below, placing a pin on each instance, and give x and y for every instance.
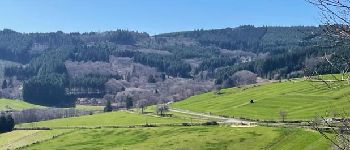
(119, 118)
(89, 107)
(187, 138)
(21, 138)
(11, 104)
(154, 138)
(8, 104)
(301, 100)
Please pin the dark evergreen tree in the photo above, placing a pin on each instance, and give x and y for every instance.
(4, 84)
(129, 103)
(3, 123)
(6, 123)
(10, 123)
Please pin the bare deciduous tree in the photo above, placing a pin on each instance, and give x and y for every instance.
(35, 115)
(283, 115)
(161, 109)
(335, 17)
(336, 25)
(142, 104)
(243, 77)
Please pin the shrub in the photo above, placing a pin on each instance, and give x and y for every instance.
(7, 123)
(210, 123)
(108, 107)
(186, 124)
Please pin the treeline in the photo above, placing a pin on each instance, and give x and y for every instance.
(23, 47)
(254, 39)
(242, 38)
(36, 115)
(245, 37)
(14, 45)
(122, 37)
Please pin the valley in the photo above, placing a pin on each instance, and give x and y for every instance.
(247, 87)
(187, 128)
(175, 75)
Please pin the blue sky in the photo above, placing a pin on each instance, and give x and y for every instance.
(152, 16)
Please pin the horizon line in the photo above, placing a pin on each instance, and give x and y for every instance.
(151, 34)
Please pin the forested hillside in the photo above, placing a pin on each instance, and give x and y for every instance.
(57, 69)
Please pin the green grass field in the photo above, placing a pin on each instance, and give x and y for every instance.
(7, 104)
(120, 118)
(21, 138)
(154, 138)
(89, 107)
(300, 99)
(187, 138)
